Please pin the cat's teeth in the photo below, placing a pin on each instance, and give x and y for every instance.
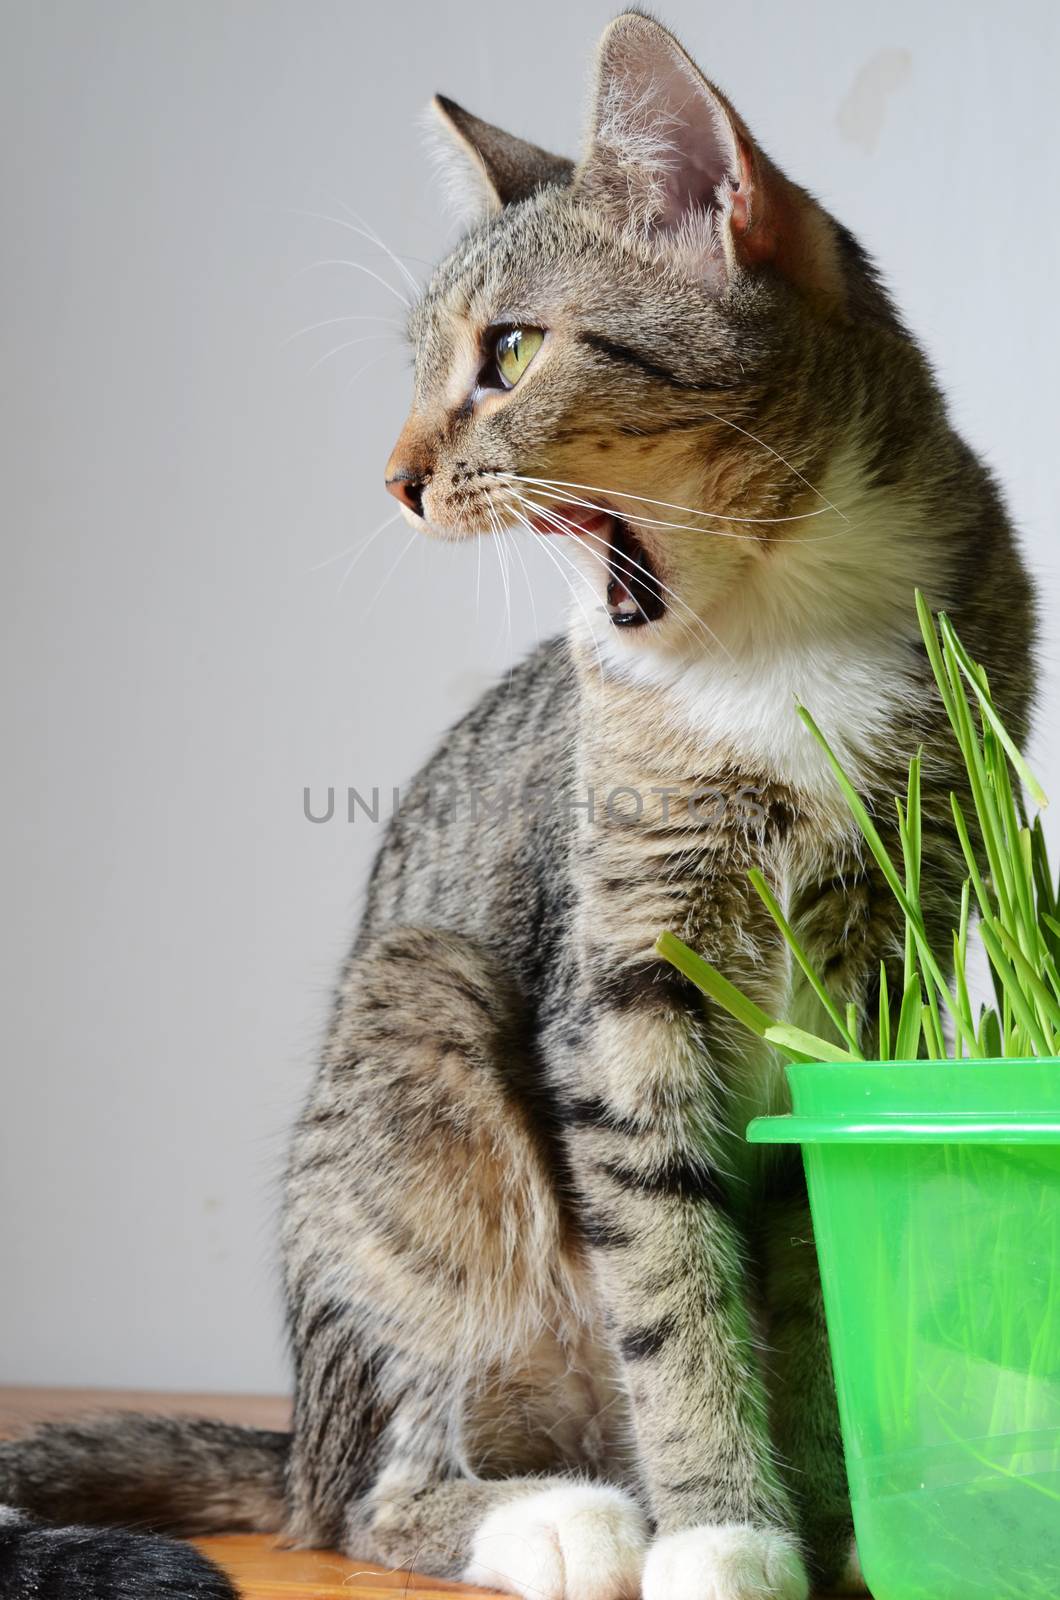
(633, 593)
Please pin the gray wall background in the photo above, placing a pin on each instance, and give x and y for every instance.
(177, 468)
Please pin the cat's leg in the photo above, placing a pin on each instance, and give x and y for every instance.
(553, 1537)
(647, 1145)
(850, 925)
(446, 1409)
(805, 1416)
(523, 1529)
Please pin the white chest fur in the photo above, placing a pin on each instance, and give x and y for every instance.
(743, 703)
(825, 618)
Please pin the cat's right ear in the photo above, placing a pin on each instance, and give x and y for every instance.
(484, 168)
(669, 159)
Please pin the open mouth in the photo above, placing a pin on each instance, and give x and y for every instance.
(634, 593)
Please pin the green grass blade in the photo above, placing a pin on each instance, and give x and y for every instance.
(909, 836)
(861, 816)
(936, 1051)
(1015, 844)
(1042, 876)
(1045, 898)
(710, 980)
(1051, 971)
(1021, 1006)
(852, 1022)
(884, 1043)
(1018, 899)
(809, 1046)
(962, 925)
(934, 652)
(990, 1044)
(938, 1037)
(773, 906)
(975, 678)
(1034, 989)
(907, 1040)
(1035, 942)
(964, 1002)
(982, 798)
(913, 821)
(986, 904)
(879, 851)
(933, 972)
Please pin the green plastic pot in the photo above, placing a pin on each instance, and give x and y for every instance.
(935, 1192)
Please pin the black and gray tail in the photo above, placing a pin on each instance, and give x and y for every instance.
(104, 1489)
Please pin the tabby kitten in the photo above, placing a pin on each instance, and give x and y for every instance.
(555, 1327)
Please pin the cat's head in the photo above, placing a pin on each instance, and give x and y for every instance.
(622, 350)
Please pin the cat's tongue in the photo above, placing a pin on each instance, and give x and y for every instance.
(634, 596)
(574, 519)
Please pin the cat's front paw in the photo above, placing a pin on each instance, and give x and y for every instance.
(579, 1542)
(733, 1562)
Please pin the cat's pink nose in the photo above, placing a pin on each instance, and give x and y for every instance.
(408, 472)
(408, 487)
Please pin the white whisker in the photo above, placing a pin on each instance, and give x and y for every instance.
(358, 266)
(499, 532)
(367, 365)
(553, 484)
(363, 231)
(529, 586)
(728, 423)
(616, 556)
(360, 548)
(478, 578)
(507, 594)
(502, 546)
(329, 322)
(564, 568)
(347, 344)
(624, 564)
(495, 523)
(402, 553)
(564, 525)
(366, 231)
(560, 525)
(684, 527)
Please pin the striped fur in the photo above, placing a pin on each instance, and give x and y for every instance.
(552, 1323)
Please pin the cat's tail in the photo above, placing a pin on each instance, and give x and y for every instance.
(99, 1484)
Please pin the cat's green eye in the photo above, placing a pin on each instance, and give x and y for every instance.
(514, 352)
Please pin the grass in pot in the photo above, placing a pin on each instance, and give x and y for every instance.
(934, 1181)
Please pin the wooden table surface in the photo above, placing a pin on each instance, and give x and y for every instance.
(257, 1566)
(259, 1569)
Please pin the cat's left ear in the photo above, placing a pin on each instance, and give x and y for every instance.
(669, 157)
(485, 168)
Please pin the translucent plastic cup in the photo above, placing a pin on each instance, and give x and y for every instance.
(935, 1191)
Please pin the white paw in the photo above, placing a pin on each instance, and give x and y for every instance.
(853, 1579)
(735, 1562)
(580, 1542)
